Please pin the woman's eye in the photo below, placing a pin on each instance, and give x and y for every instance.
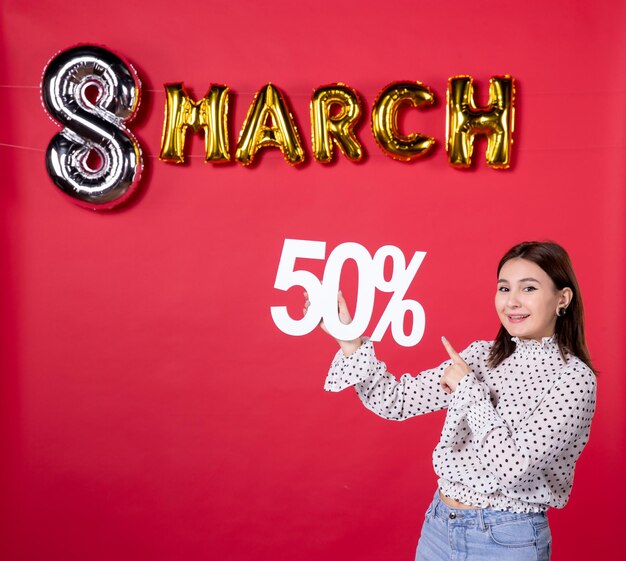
(529, 288)
(503, 289)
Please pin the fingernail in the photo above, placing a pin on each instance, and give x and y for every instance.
(443, 338)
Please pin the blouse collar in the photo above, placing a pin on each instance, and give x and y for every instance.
(547, 345)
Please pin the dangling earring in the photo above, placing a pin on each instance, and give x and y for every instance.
(560, 312)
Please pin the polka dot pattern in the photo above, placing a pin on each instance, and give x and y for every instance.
(512, 434)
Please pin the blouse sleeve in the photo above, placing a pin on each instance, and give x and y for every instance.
(557, 428)
(380, 391)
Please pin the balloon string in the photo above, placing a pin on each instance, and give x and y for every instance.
(289, 94)
(146, 90)
(201, 157)
(33, 149)
(21, 147)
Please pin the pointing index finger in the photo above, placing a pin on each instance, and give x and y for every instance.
(456, 357)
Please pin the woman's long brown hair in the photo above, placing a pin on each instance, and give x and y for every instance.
(570, 328)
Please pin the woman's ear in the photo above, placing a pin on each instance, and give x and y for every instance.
(566, 297)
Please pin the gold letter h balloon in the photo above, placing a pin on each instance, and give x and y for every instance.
(465, 121)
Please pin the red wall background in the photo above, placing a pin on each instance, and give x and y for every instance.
(150, 409)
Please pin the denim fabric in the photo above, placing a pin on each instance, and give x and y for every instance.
(482, 534)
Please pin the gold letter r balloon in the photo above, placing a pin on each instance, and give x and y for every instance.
(327, 127)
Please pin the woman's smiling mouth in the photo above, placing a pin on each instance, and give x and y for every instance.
(517, 318)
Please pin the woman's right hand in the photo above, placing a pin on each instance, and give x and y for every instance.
(348, 347)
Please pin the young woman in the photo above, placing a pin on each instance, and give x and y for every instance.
(519, 412)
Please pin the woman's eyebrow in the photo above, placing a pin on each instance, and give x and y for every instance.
(526, 279)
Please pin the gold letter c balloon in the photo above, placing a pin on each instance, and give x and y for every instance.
(385, 120)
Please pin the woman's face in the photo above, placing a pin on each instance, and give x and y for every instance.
(527, 300)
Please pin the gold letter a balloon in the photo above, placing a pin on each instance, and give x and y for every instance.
(269, 124)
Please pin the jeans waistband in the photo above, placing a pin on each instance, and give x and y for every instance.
(480, 517)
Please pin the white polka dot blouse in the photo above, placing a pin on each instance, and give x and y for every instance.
(512, 434)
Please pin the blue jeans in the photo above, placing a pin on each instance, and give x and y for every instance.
(482, 534)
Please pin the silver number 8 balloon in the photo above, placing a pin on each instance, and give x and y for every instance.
(94, 159)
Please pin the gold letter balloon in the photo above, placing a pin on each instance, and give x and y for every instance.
(269, 123)
(209, 114)
(465, 121)
(328, 127)
(385, 120)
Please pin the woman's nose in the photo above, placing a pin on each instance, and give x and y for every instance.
(512, 300)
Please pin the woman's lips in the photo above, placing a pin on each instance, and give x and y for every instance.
(517, 318)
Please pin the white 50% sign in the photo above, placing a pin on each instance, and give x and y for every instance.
(323, 294)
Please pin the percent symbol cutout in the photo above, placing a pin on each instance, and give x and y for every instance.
(397, 308)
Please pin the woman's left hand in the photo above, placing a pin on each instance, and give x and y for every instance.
(453, 374)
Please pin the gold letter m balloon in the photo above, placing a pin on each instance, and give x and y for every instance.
(465, 121)
(209, 114)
